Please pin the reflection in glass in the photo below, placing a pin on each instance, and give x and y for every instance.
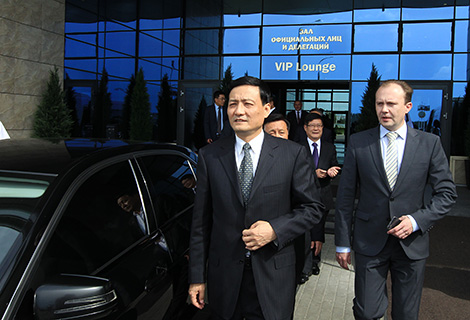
(172, 37)
(121, 41)
(203, 14)
(244, 40)
(460, 67)
(242, 65)
(234, 20)
(279, 67)
(427, 36)
(387, 66)
(376, 14)
(74, 48)
(426, 111)
(121, 67)
(150, 44)
(201, 41)
(462, 12)
(242, 12)
(81, 64)
(335, 67)
(433, 10)
(376, 37)
(425, 67)
(201, 68)
(357, 90)
(152, 68)
(461, 32)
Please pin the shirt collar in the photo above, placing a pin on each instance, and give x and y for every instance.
(402, 131)
(310, 142)
(256, 143)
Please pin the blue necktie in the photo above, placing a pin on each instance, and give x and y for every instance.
(315, 154)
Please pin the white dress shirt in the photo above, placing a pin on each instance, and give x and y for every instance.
(3, 132)
(255, 151)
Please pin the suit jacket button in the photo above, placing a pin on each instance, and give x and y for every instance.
(392, 198)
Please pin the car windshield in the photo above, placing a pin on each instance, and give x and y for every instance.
(19, 196)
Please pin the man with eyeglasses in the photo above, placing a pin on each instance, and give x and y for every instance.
(326, 168)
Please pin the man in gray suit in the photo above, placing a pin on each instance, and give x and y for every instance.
(390, 166)
(250, 206)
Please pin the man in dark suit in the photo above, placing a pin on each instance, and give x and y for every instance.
(250, 206)
(390, 167)
(215, 118)
(325, 166)
(296, 119)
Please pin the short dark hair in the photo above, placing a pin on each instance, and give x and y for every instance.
(218, 93)
(405, 86)
(264, 91)
(273, 117)
(312, 116)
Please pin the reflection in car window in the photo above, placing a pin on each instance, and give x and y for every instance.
(104, 218)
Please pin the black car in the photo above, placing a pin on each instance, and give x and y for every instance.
(94, 234)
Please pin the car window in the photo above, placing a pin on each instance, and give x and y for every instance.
(172, 185)
(104, 217)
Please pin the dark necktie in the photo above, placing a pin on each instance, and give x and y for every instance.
(245, 173)
(298, 116)
(219, 120)
(315, 154)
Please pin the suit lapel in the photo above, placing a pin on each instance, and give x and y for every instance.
(227, 159)
(411, 145)
(376, 152)
(265, 161)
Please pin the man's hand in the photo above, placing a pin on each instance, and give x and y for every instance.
(344, 259)
(209, 140)
(321, 173)
(317, 245)
(333, 171)
(260, 234)
(196, 293)
(403, 229)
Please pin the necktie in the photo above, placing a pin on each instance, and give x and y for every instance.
(245, 173)
(391, 159)
(219, 120)
(315, 154)
(298, 116)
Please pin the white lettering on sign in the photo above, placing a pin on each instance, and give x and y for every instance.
(306, 41)
(323, 68)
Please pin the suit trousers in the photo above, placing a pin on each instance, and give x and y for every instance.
(407, 277)
(248, 307)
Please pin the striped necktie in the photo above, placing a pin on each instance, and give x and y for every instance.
(391, 159)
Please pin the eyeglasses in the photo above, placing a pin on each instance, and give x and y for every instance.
(315, 126)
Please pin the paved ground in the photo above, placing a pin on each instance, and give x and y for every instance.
(446, 293)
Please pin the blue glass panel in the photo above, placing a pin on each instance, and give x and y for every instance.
(427, 36)
(459, 89)
(244, 40)
(460, 67)
(80, 27)
(425, 67)
(357, 91)
(325, 68)
(461, 36)
(150, 44)
(242, 65)
(120, 26)
(377, 37)
(436, 13)
(234, 20)
(283, 19)
(82, 64)
(119, 67)
(387, 66)
(279, 68)
(121, 41)
(170, 50)
(172, 23)
(80, 74)
(152, 69)
(376, 14)
(88, 38)
(462, 12)
(172, 37)
(146, 24)
(201, 41)
(316, 39)
(201, 68)
(75, 48)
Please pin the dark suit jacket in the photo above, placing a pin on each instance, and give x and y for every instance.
(286, 198)
(296, 128)
(424, 161)
(327, 160)
(210, 122)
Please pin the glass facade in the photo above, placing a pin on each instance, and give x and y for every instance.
(299, 47)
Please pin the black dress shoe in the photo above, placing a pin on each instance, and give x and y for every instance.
(315, 269)
(303, 278)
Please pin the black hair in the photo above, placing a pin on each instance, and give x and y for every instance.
(273, 117)
(264, 91)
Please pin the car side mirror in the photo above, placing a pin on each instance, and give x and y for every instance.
(75, 297)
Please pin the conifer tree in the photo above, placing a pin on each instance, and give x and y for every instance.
(126, 109)
(141, 120)
(101, 102)
(368, 116)
(226, 81)
(52, 118)
(71, 101)
(166, 123)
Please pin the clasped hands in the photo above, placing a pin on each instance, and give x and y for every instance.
(401, 231)
(331, 172)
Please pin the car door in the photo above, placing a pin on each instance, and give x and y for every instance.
(102, 239)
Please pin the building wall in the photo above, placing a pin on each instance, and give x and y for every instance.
(32, 44)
